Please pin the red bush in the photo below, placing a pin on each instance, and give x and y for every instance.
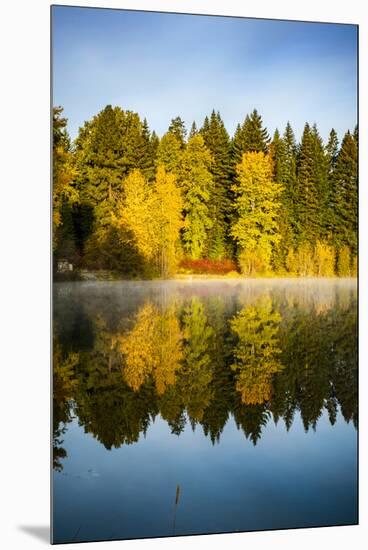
(205, 265)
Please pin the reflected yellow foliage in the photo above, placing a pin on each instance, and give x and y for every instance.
(152, 347)
(257, 351)
(64, 380)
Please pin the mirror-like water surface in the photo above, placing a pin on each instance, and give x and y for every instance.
(203, 406)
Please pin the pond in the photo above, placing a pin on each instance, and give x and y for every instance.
(188, 407)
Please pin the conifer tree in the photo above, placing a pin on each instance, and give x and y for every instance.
(345, 195)
(177, 129)
(332, 149)
(321, 173)
(278, 154)
(193, 130)
(217, 141)
(307, 204)
(289, 195)
(170, 153)
(251, 136)
(196, 182)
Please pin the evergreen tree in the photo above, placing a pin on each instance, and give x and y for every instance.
(217, 141)
(250, 137)
(281, 175)
(332, 149)
(197, 183)
(321, 173)
(193, 130)
(307, 203)
(345, 195)
(170, 153)
(177, 129)
(107, 149)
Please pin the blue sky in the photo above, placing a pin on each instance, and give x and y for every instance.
(165, 65)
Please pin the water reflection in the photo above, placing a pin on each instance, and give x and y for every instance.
(200, 359)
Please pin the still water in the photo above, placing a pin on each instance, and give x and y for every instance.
(203, 407)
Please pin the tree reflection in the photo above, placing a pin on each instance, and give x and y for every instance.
(257, 351)
(202, 361)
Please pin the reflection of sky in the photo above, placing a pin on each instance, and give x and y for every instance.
(289, 479)
(164, 65)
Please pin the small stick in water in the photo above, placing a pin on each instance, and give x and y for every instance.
(176, 505)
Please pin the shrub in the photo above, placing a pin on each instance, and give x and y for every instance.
(205, 265)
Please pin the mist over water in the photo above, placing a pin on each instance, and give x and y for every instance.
(185, 407)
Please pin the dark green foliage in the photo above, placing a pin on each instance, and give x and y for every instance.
(193, 130)
(312, 188)
(177, 129)
(283, 158)
(251, 136)
(345, 194)
(217, 141)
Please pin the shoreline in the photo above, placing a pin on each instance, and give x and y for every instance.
(109, 276)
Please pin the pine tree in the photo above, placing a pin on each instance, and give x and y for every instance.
(307, 203)
(193, 130)
(170, 153)
(279, 156)
(177, 129)
(332, 149)
(249, 137)
(217, 141)
(147, 153)
(196, 182)
(345, 195)
(321, 173)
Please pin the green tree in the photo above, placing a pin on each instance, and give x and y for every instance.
(170, 153)
(193, 130)
(108, 147)
(217, 141)
(345, 195)
(177, 129)
(251, 136)
(307, 203)
(197, 184)
(279, 153)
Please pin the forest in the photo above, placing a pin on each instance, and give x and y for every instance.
(127, 201)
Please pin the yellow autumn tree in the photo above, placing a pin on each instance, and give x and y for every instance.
(256, 228)
(324, 258)
(63, 170)
(167, 211)
(136, 214)
(256, 355)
